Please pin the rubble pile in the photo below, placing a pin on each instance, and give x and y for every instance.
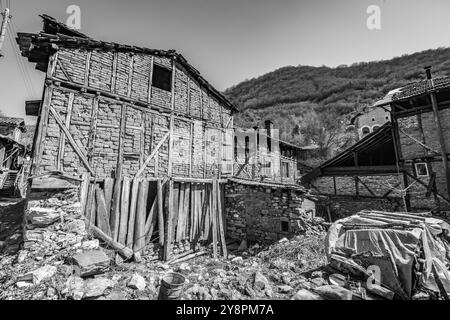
(59, 259)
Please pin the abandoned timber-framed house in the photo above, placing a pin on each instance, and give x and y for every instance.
(149, 142)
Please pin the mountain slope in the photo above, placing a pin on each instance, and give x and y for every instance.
(295, 97)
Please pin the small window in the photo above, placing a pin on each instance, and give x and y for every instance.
(373, 119)
(421, 169)
(285, 167)
(387, 117)
(365, 130)
(284, 226)
(375, 128)
(162, 78)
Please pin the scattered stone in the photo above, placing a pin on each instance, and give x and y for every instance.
(116, 295)
(77, 227)
(42, 217)
(238, 260)
(304, 294)
(90, 245)
(91, 263)
(260, 282)
(333, 292)
(22, 256)
(96, 287)
(317, 274)
(38, 275)
(284, 289)
(74, 287)
(137, 282)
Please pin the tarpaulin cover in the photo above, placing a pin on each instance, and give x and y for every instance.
(403, 238)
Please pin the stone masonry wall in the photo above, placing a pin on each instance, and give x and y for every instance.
(95, 121)
(255, 213)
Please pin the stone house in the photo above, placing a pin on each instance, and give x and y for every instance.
(370, 120)
(141, 131)
(12, 128)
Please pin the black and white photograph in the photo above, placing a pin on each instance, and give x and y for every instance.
(230, 157)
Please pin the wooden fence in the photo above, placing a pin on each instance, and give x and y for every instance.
(135, 212)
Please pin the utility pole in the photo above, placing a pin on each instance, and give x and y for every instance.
(5, 21)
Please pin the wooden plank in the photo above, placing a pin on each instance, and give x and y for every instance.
(214, 216)
(41, 132)
(132, 213)
(152, 155)
(124, 209)
(186, 215)
(127, 253)
(71, 140)
(84, 188)
(62, 140)
(102, 213)
(93, 208)
(108, 186)
(177, 221)
(431, 184)
(192, 211)
(139, 231)
(151, 220)
(206, 220)
(53, 183)
(221, 221)
(114, 219)
(160, 212)
(87, 69)
(170, 165)
(114, 72)
(169, 237)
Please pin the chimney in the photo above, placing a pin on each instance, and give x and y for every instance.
(269, 126)
(428, 71)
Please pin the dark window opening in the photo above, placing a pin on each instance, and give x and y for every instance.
(247, 149)
(365, 130)
(285, 167)
(284, 226)
(235, 148)
(375, 128)
(421, 169)
(162, 78)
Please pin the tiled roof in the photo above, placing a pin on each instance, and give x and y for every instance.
(12, 121)
(38, 47)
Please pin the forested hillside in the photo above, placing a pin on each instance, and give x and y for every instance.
(314, 104)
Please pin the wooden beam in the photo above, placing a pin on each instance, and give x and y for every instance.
(152, 155)
(115, 204)
(102, 213)
(108, 187)
(214, 216)
(160, 212)
(84, 192)
(71, 140)
(221, 220)
(132, 213)
(365, 185)
(169, 231)
(62, 139)
(63, 69)
(139, 234)
(38, 146)
(124, 211)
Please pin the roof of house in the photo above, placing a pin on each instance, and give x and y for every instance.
(15, 122)
(414, 89)
(38, 47)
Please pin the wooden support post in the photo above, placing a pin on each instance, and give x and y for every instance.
(84, 188)
(124, 209)
(132, 213)
(151, 221)
(406, 197)
(169, 233)
(160, 212)
(220, 220)
(441, 139)
(214, 216)
(115, 204)
(139, 234)
(108, 187)
(102, 213)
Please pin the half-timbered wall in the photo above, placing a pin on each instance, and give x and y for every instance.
(84, 132)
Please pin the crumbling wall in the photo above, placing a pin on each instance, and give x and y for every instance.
(261, 214)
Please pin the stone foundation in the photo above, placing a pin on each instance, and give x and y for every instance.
(261, 214)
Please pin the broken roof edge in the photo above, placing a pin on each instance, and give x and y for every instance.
(58, 33)
(267, 184)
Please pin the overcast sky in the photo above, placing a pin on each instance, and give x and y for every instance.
(233, 40)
